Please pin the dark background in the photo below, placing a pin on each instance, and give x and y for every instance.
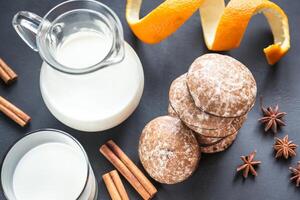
(215, 177)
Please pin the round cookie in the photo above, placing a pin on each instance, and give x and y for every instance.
(230, 129)
(220, 146)
(168, 150)
(220, 85)
(202, 140)
(183, 103)
(206, 141)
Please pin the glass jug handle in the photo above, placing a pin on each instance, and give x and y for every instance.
(27, 24)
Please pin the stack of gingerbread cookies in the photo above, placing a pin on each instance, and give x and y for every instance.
(208, 106)
(213, 99)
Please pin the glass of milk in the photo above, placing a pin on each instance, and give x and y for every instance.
(91, 79)
(48, 164)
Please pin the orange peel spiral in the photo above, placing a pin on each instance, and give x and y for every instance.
(223, 25)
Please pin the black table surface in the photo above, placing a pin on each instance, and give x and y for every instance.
(216, 177)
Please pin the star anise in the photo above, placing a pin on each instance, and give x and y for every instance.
(248, 165)
(295, 174)
(272, 118)
(284, 147)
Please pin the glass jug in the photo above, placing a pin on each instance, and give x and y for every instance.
(91, 79)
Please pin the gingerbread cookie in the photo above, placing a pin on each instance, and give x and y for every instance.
(220, 146)
(207, 141)
(183, 103)
(228, 130)
(220, 85)
(168, 150)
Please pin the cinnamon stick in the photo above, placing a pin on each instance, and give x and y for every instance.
(12, 115)
(111, 187)
(13, 112)
(119, 185)
(116, 181)
(121, 167)
(132, 167)
(6, 73)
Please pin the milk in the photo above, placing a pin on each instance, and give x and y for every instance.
(95, 101)
(83, 49)
(50, 171)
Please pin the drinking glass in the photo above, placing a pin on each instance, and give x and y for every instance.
(36, 139)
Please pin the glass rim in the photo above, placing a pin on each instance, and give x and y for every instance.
(57, 131)
(51, 61)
